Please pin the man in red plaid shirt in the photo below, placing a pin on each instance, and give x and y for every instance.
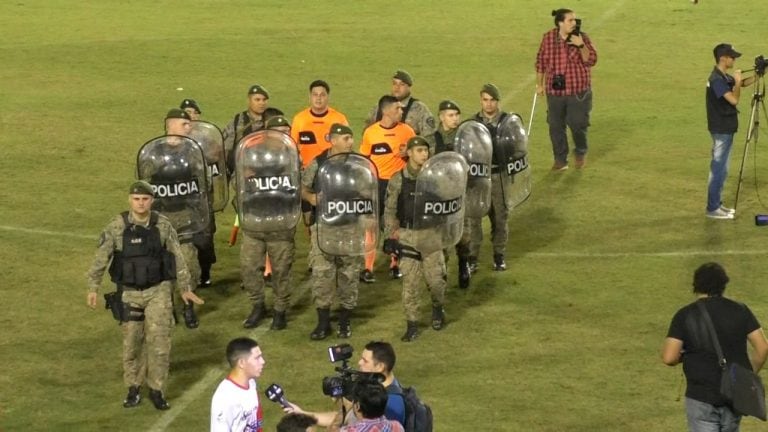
(563, 72)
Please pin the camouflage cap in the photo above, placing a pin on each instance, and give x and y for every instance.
(416, 142)
(258, 89)
(491, 90)
(340, 129)
(190, 103)
(448, 105)
(403, 76)
(141, 188)
(276, 122)
(177, 113)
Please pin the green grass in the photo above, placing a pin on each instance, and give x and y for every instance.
(567, 339)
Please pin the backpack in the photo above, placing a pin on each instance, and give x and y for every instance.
(418, 415)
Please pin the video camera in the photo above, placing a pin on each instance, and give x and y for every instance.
(760, 65)
(343, 383)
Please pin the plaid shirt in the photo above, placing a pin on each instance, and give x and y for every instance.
(380, 424)
(558, 57)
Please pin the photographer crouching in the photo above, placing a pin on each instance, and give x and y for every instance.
(375, 365)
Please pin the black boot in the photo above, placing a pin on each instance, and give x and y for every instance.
(190, 317)
(278, 321)
(133, 398)
(498, 262)
(345, 328)
(156, 396)
(438, 317)
(257, 313)
(412, 332)
(323, 328)
(464, 274)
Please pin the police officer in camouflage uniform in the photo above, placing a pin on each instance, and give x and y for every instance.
(145, 257)
(246, 122)
(415, 112)
(330, 273)
(490, 115)
(277, 248)
(399, 223)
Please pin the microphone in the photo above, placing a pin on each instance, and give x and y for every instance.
(275, 393)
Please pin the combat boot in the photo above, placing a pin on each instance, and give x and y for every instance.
(190, 317)
(498, 262)
(438, 317)
(412, 332)
(156, 396)
(323, 328)
(464, 273)
(345, 328)
(257, 313)
(278, 321)
(473, 264)
(133, 398)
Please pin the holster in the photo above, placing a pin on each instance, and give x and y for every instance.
(114, 302)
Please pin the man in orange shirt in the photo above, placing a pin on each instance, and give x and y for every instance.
(384, 143)
(310, 127)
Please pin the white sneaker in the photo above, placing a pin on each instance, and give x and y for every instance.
(719, 214)
(727, 210)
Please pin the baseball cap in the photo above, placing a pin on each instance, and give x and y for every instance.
(340, 129)
(725, 49)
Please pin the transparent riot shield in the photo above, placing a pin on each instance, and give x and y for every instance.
(513, 142)
(208, 135)
(347, 215)
(474, 142)
(175, 167)
(438, 219)
(267, 173)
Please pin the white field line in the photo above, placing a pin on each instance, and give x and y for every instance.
(37, 231)
(671, 254)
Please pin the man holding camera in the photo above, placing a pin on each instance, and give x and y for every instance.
(723, 91)
(563, 65)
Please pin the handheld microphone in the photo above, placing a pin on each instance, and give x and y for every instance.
(275, 393)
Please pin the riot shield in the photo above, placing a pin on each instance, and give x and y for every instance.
(438, 219)
(474, 142)
(208, 135)
(512, 140)
(347, 215)
(268, 185)
(175, 167)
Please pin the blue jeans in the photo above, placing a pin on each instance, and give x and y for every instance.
(703, 417)
(718, 169)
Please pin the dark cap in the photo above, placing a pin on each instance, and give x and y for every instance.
(491, 90)
(725, 49)
(416, 142)
(339, 129)
(275, 122)
(403, 76)
(190, 103)
(449, 105)
(258, 89)
(177, 113)
(141, 188)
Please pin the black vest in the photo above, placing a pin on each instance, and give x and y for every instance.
(406, 201)
(440, 145)
(144, 261)
(722, 117)
(493, 128)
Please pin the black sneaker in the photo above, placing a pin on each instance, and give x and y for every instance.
(156, 396)
(367, 276)
(204, 283)
(498, 262)
(133, 398)
(395, 272)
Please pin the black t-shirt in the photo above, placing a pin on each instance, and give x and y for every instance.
(733, 322)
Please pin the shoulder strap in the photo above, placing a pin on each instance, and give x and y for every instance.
(408, 108)
(125, 219)
(153, 218)
(711, 327)
(439, 142)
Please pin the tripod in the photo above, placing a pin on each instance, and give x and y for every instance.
(754, 125)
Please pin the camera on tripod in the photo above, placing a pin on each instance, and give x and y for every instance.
(760, 64)
(343, 383)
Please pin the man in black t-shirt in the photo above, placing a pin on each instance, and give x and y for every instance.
(689, 342)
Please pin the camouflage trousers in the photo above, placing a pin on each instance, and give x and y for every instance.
(333, 273)
(189, 255)
(499, 216)
(463, 246)
(281, 247)
(147, 343)
(431, 268)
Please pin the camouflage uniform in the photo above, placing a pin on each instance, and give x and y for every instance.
(242, 124)
(147, 343)
(280, 246)
(418, 117)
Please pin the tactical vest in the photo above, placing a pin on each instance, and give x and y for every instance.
(440, 144)
(493, 128)
(144, 261)
(406, 202)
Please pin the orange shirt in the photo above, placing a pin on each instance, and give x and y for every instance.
(310, 131)
(383, 146)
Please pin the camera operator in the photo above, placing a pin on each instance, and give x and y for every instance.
(369, 406)
(723, 91)
(563, 73)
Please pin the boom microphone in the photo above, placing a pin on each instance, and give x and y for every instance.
(275, 393)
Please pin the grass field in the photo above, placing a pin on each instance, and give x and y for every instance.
(600, 259)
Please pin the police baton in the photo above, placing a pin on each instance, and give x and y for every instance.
(533, 109)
